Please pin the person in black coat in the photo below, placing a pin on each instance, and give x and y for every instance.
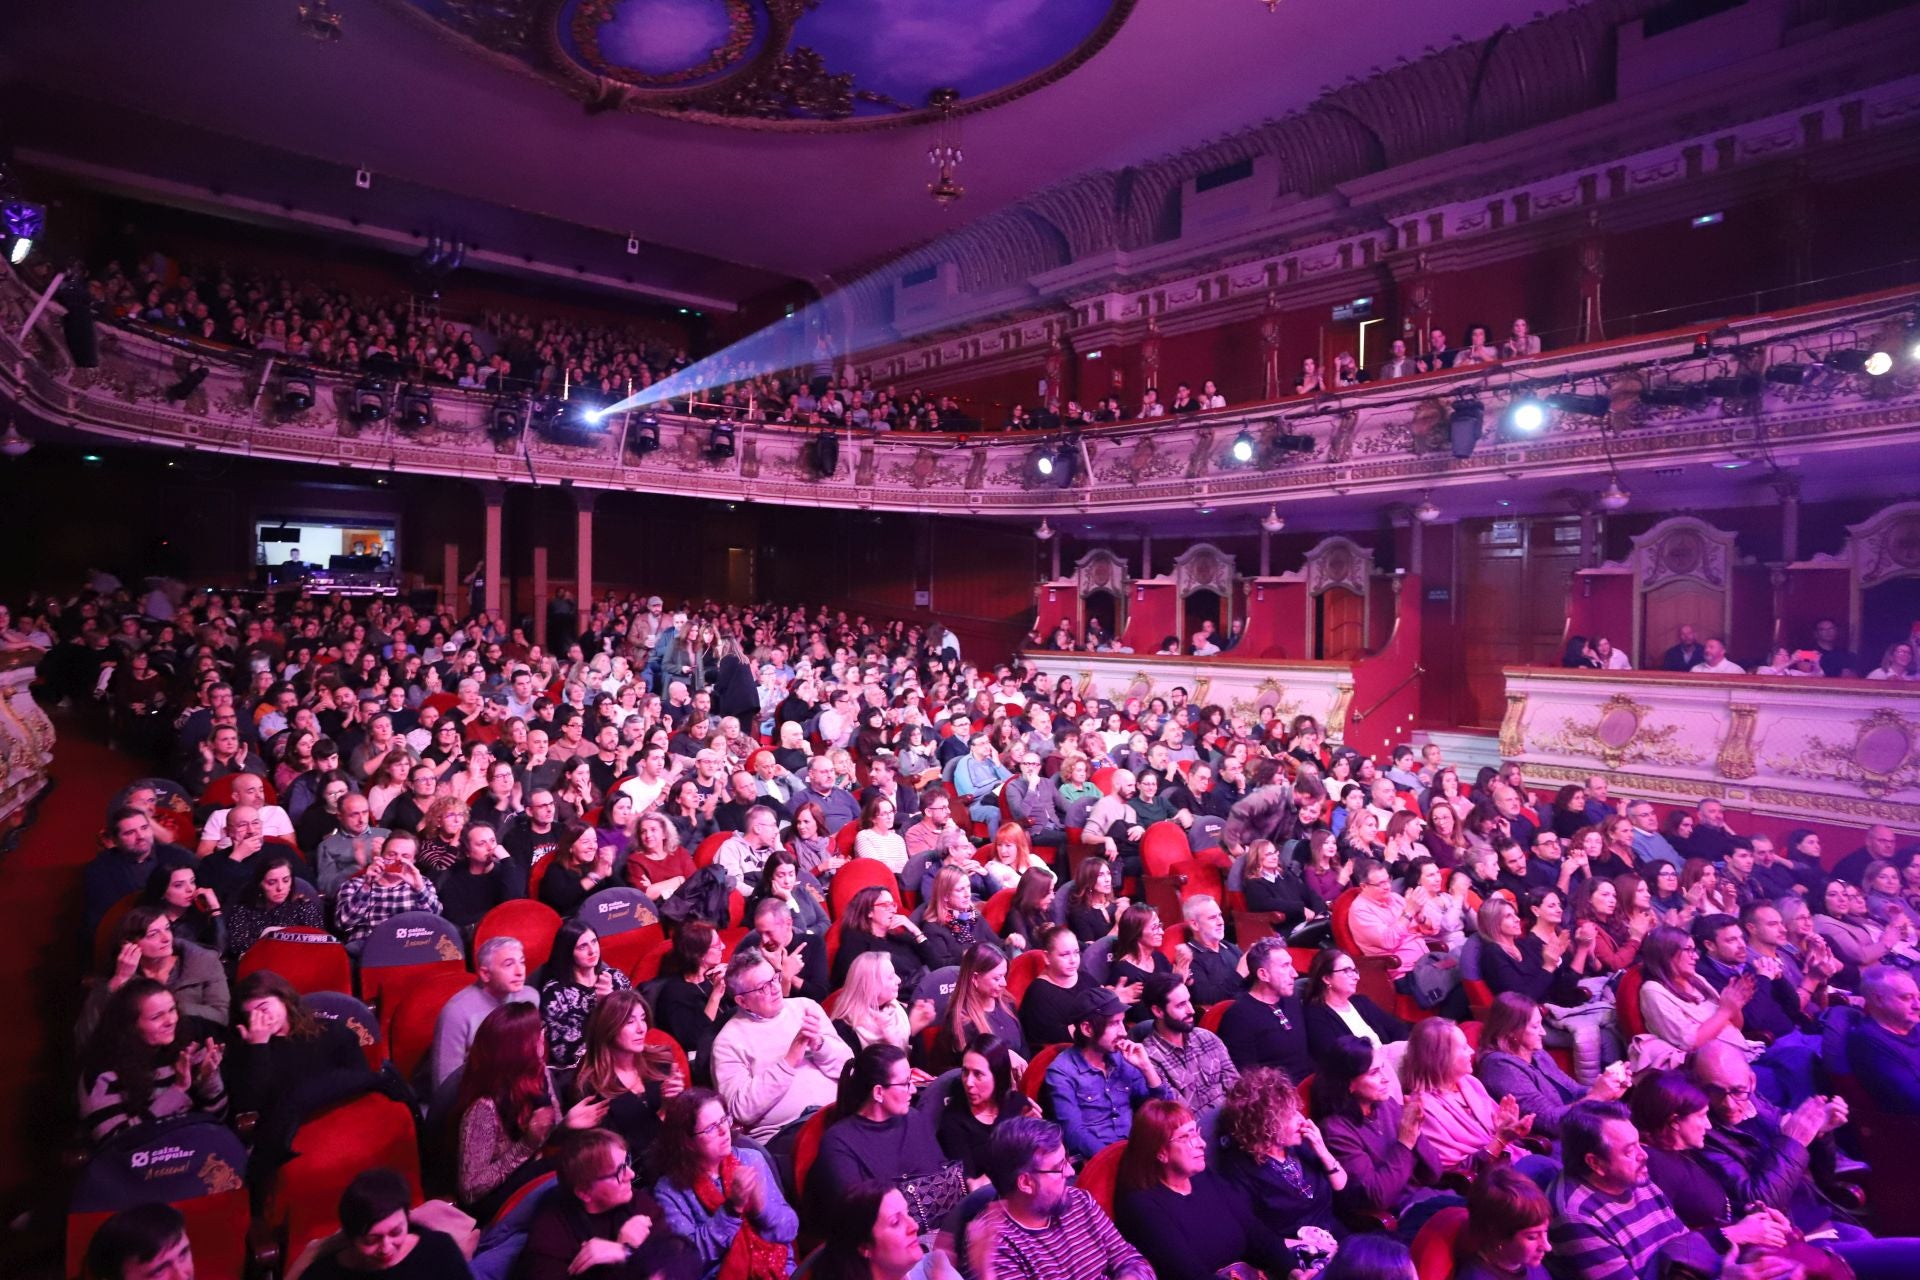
(1334, 1005)
(1266, 1025)
(734, 691)
(1276, 889)
(286, 1065)
(872, 922)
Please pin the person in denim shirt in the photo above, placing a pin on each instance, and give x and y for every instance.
(1093, 1087)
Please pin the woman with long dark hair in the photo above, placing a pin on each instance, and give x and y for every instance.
(619, 1067)
(692, 1000)
(985, 1094)
(138, 1069)
(576, 978)
(725, 1199)
(146, 948)
(274, 901)
(581, 866)
(872, 922)
(871, 1235)
(879, 1133)
(194, 913)
(506, 1109)
(286, 1064)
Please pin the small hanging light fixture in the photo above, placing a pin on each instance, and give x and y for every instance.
(1045, 531)
(944, 154)
(1273, 521)
(318, 19)
(1614, 497)
(1426, 512)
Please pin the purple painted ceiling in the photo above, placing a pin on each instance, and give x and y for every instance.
(402, 97)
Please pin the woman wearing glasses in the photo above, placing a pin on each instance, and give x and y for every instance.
(1335, 1008)
(726, 1201)
(598, 1222)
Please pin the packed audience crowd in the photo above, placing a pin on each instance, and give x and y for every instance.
(403, 336)
(950, 969)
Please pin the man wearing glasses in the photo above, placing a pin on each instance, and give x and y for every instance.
(778, 1060)
(596, 1220)
(1041, 1228)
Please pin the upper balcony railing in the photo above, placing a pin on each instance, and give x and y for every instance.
(1698, 394)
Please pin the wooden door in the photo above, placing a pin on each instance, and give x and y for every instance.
(1514, 578)
(1671, 605)
(1343, 632)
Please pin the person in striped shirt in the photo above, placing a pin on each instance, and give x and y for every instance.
(1611, 1223)
(1041, 1228)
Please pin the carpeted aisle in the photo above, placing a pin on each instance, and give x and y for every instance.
(41, 958)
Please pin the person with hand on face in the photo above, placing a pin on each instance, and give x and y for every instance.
(866, 1009)
(286, 1064)
(726, 1200)
(147, 949)
(501, 968)
(1215, 969)
(194, 913)
(138, 1069)
(507, 1109)
(628, 1072)
(597, 1222)
(485, 877)
(582, 865)
(1093, 1087)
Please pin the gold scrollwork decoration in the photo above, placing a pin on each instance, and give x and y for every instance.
(1883, 757)
(1336, 725)
(1736, 751)
(1623, 731)
(1512, 741)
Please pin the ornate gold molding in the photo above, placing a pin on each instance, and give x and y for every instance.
(1623, 731)
(1736, 751)
(1512, 741)
(1883, 757)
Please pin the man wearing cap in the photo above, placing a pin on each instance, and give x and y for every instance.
(1093, 1087)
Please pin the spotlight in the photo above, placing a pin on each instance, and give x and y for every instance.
(825, 454)
(189, 383)
(720, 440)
(369, 399)
(1585, 406)
(644, 438)
(507, 419)
(1044, 463)
(1790, 374)
(21, 223)
(1244, 448)
(1526, 416)
(297, 390)
(1684, 396)
(1876, 364)
(416, 406)
(1465, 425)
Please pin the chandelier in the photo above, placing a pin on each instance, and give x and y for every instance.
(318, 19)
(945, 151)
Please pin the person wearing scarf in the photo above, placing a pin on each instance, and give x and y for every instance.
(726, 1201)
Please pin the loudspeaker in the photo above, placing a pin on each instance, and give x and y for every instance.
(77, 325)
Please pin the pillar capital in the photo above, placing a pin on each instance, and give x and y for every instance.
(584, 500)
(492, 492)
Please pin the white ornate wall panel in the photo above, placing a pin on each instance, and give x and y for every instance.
(1844, 751)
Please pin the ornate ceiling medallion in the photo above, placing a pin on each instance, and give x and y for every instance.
(795, 64)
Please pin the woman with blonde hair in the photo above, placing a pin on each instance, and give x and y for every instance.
(979, 1007)
(1461, 1119)
(952, 920)
(867, 1008)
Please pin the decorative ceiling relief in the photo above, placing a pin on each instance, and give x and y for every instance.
(803, 64)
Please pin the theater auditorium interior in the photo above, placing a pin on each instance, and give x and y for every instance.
(852, 639)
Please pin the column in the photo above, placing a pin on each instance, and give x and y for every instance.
(1146, 554)
(1416, 548)
(1266, 553)
(450, 597)
(1589, 533)
(1054, 544)
(542, 589)
(583, 503)
(494, 493)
